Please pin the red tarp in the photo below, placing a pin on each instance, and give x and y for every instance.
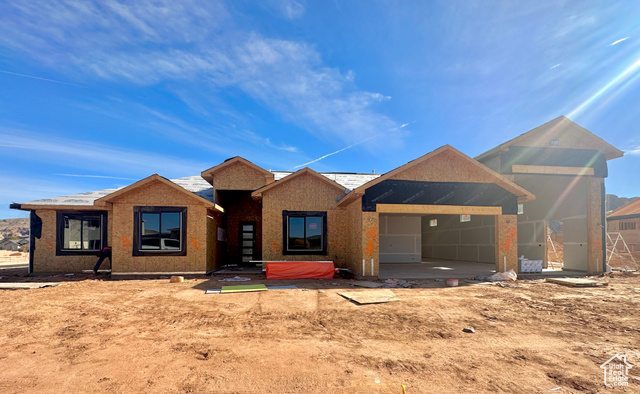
(300, 270)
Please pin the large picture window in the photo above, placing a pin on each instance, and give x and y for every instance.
(304, 232)
(159, 230)
(80, 232)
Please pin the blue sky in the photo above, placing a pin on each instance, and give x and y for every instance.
(99, 94)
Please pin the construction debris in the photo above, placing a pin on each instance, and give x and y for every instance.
(577, 282)
(26, 286)
(282, 287)
(363, 297)
(500, 276)
(243, 288)
(235, 279)
(176, 279)
(470, 330)
(368, 284)
(393, 283)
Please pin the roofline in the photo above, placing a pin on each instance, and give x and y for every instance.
(522, 193)
(59, 207)
(632, 204)
(505, 145)
(152, 178)
(208, 174)
(630, 216)
(257, 194)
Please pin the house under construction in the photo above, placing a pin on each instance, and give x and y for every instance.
(444, 206)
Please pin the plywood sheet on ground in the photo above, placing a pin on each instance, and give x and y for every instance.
(377, 296)
(576, 282)
(243, 288)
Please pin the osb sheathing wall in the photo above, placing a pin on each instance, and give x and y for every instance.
(631, 236)
(239, 176)
(303, 193)
(445, 167)
(214, 247)
(506, 235)
(44, 250)
(594, 225)
(370, 241)
(352, 216)
(158, 194)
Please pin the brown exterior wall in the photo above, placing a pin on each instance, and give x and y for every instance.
(303, 193)
(594, 225)
(44, 250)
(506, 242)
(631, 237)
(158, 194)
(214, 247)
(238, 176)
(352, 243)
(446, 167)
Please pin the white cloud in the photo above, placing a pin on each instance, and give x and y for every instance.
(618, 41)
(291, 8)
(94, 156)
(166, 41)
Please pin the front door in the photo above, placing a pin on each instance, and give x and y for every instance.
(247, 242)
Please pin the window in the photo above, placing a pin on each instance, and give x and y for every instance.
(160, 231)
(80, 233)
(304, 232)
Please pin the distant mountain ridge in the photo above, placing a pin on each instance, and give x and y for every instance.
(14, 228)
(613, 202)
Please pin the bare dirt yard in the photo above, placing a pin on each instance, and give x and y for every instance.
(101, 335)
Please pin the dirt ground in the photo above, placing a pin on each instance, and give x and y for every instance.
(101, 335)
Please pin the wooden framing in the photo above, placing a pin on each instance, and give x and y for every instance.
(438, 209)
(554, 170)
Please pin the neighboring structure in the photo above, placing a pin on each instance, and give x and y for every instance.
(443, 205)
(626, 221)
(9, 244)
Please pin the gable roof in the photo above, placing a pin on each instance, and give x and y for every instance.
(522, 193)
(156, 178)
(349, 180)
(552, 128)
(208, 174)
(195, 184)
(626, 211)
(304, 171)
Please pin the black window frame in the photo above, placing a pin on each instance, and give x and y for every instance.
(137, 240)
(60, 217)
(285, 232)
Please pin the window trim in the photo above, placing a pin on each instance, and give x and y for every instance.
(61, 251)
(137, 240)
(285, 233)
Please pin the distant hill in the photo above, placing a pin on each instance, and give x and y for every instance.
(14, 228)
(614, 202)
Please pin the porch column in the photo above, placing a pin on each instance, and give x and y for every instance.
(506, 235)
(370, 264)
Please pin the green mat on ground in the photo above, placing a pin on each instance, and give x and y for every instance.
(242, 288)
